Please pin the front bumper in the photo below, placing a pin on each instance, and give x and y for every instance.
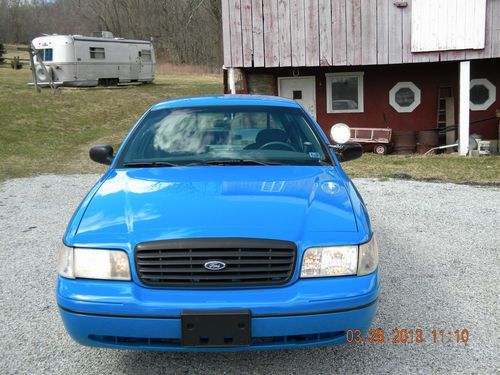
(306, 313)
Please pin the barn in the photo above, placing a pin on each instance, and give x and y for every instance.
(405, 65)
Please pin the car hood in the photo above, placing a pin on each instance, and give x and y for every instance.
(281, 202)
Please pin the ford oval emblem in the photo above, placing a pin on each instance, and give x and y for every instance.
(215, 265)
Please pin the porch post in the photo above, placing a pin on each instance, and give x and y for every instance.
(463, 115)
(231, 82)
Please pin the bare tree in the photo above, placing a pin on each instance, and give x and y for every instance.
(183, 31)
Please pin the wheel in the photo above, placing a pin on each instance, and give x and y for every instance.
(380, 149)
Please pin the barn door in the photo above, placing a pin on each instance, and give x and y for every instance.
(300, 89)
(134, 62)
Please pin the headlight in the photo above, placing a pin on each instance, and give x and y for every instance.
(93, 264)
(330, 261)
(65, 263)
(340, 260)
(368, 257)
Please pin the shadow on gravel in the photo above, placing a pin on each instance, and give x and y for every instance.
(269, 362)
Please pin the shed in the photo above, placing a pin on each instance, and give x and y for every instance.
(407, 65)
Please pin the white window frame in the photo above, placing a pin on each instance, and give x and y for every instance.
(492, 90)
(403, 85)
(361, 104)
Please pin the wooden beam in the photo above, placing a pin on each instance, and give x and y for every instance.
(353, 27)
(339, 32)
(312, 32)
(382, 32)
(325, 33)
(258, 33)
(284, 32)
(395, 34)
(297, 23)
(406, 34)
(246, 32)
(486, 51)
(495, 29)
(368, 32)
(235, 31)
(226, 37)
(271, 41)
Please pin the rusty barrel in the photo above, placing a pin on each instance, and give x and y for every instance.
(404, 142)
(427, 139)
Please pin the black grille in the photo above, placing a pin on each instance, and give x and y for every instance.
(182, 262)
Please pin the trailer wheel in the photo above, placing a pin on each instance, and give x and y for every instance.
(380, 149)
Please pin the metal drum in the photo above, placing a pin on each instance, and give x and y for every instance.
(427, 139)
(404, 142)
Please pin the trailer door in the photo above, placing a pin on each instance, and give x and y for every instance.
(135, 62)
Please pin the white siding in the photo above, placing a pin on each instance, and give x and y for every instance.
(447, 25)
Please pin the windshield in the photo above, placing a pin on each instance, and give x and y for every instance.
(223, 135)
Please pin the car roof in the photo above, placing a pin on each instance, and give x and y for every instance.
(223, 100)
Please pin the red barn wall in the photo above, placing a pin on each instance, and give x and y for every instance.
(489, 69)
(378, 81)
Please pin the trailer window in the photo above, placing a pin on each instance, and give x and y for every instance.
(146, 55)
(46, 54)
(97, 53)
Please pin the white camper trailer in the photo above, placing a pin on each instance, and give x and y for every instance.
(75, 60)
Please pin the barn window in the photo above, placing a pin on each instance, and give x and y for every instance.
(344, 92)
(482, 94)
(97, 53)
(146, 55)
(404, 97)
(297, 94)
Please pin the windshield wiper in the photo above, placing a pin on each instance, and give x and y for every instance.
(234, 162)
(147, 164)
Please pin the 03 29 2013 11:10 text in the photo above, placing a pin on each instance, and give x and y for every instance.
(408, 336)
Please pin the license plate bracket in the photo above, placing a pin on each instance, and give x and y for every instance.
(220, 328)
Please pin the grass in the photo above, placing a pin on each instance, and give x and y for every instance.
(51, 132)
(449, 168)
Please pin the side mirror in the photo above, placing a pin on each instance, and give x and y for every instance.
(348, 151)
(340, 133)
(102, 154)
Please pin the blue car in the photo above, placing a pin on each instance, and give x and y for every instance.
(223, 223)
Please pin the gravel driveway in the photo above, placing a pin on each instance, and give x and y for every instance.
(440, 270)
